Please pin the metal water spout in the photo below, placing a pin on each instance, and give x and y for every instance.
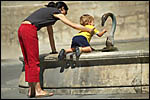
(110, 38)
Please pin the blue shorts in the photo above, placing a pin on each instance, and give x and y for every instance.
(79, 41)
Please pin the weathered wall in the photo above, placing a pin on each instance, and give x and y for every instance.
(132, 20)
(100, 79)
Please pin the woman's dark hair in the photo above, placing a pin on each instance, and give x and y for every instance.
(58, 5)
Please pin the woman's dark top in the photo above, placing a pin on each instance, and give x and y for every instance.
(43, 17)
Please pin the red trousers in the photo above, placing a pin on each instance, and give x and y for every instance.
(27, 34)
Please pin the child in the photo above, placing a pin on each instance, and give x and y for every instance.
(80, 42)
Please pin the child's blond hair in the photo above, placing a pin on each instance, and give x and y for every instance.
(86, 19)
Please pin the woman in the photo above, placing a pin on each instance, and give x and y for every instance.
(27, 34)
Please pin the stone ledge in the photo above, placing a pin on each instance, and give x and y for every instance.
(101, 58)
(98, 58)
(105, 55)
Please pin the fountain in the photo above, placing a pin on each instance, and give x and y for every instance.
(110, 38)
(124, 71)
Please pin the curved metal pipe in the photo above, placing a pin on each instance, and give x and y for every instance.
(110, 39)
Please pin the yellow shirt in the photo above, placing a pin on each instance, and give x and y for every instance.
(86, 34)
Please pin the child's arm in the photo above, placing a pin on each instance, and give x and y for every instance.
(101, 33)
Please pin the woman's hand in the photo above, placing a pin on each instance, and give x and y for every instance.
(92, 31)
(53, 52)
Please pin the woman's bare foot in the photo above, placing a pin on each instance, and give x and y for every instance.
(31, 91)
(36, 91)
(42, 93)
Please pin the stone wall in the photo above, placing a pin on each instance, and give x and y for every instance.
(132, 20)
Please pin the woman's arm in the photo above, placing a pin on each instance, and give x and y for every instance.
(51, 38)
(73, 25)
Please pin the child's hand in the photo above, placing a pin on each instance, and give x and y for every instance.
(104, 30)
(101, 33)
